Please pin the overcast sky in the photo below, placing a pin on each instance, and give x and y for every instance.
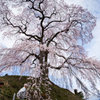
(93, 47)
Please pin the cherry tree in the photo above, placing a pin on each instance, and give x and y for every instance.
(48, 34)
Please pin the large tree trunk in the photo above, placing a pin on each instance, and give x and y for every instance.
(43, 62)
(44, 79)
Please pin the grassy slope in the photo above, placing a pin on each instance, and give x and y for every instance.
(13, 84)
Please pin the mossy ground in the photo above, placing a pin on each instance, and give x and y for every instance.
(13, 84)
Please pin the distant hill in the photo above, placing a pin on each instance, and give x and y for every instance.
(13, 84)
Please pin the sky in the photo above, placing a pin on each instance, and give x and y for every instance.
(92, 48)
(93, 6)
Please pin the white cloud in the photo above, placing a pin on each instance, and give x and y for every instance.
(93, 47)
(93, 6)
(5, 41)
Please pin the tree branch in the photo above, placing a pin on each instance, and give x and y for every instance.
(31, 54)
(21, 30)
(50, 40)
(53, 13)
(54, 21)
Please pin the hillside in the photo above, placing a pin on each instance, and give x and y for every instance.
(13, 84)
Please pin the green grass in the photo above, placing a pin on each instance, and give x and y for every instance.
(13, 84)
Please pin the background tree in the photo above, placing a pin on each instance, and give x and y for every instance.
(47, 36)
